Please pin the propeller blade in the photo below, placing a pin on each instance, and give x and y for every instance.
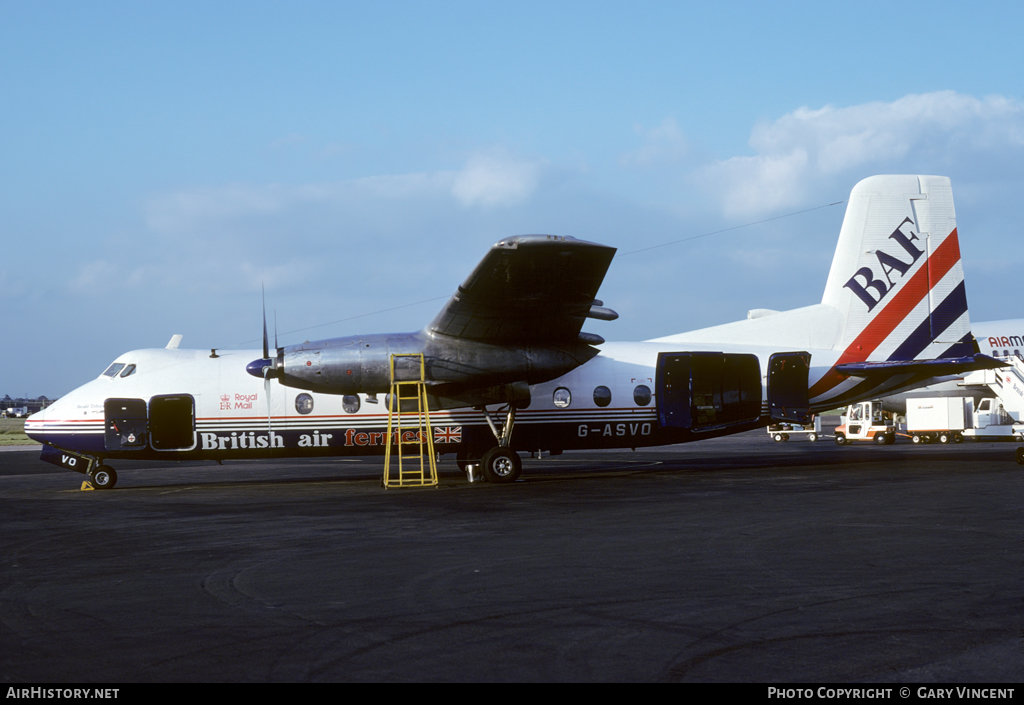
(266, 390)
(266, 351)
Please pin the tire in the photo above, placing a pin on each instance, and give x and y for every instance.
(1020, 456)
(958, 438)
(104, 477)
(840, 439)
(502, 465)
(812, 437)
(778, 437)
(881, 439)
(943, 438)
(916, 439)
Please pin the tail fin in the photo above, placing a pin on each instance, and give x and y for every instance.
(897, 286)
(896, 279)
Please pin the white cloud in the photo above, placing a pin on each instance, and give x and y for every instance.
(664, 144)
(492, 178)
(805, 149)
(495, 178)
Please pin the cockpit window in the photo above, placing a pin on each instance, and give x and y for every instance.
(128, 371)
(114, 369)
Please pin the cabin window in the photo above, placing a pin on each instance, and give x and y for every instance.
(602, 396)
(304, 403)
(642, 395)
(562, 397)
(350, 403)
(128, 371)
(114, 369)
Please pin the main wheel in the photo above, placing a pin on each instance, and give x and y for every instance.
(104, 477)
(502, 465)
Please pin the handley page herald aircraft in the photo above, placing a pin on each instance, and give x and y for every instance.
(510, 341)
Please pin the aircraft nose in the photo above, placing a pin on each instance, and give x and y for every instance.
(34, 424)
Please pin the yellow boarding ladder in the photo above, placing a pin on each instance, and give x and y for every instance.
(419, 468)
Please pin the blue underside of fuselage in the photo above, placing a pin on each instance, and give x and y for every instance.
(350, 442)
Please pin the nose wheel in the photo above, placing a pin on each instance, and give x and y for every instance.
(104, 477)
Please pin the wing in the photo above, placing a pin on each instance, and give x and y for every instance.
(530, 290)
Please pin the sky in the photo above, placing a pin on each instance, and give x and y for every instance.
(161, 163)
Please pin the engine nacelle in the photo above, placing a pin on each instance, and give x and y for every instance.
(361, 364)
(345, 365)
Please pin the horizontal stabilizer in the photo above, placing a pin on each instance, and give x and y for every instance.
(939, 367)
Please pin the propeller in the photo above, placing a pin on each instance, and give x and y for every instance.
(264, 367)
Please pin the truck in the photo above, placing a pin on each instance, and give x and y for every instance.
(780, 431)
(951, 419)
(15, 412)
(865, 422)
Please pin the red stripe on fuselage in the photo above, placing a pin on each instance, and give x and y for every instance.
(882, 325)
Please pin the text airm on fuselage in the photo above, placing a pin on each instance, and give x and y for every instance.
(1006, 341)
(864, 279)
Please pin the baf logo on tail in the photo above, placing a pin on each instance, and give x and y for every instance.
(865, 279)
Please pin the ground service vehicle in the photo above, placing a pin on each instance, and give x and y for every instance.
(951, 419)
(865, 422)
(781, 431)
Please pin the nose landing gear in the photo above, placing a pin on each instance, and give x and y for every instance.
(103, 477)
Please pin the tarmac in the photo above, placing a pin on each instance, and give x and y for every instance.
(731, 560)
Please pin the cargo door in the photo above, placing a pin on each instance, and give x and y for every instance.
(172, 422)
(706, 391)
(787, 387)
(672, 384)
(125, 424)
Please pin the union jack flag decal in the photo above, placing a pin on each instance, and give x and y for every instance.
(448, 434)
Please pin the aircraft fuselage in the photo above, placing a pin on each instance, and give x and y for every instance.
(611, 401)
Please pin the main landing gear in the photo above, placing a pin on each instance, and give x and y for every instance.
(500, 463)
